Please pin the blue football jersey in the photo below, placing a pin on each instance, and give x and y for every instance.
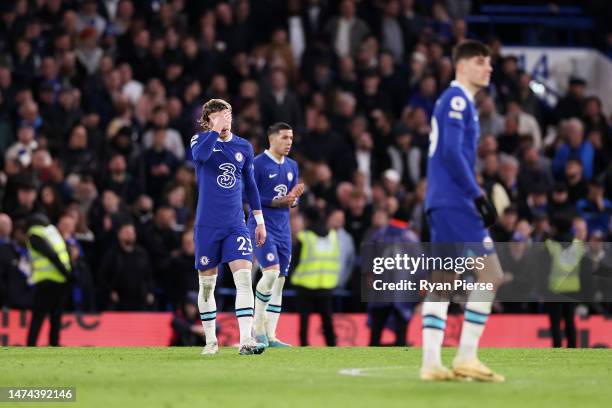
(274, 180)
(451, 179)
(222, 167)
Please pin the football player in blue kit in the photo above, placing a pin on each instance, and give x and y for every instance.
(458, 212)
(224, 162)
(276, 176)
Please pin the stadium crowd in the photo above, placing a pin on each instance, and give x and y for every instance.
(99, 99)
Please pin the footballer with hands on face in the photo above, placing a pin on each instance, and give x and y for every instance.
(224, 163)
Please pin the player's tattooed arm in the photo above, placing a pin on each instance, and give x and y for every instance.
(283, 202)
(297, 190)
(290, 200)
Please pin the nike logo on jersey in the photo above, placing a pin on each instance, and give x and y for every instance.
(216, 150)
(272, 175)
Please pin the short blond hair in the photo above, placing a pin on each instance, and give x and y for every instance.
(212, 106)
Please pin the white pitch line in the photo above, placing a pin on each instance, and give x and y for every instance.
(364, 372)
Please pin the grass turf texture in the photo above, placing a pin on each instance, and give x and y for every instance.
(306, 377)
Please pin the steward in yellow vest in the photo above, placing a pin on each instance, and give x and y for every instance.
(319, 261)
(316, 254)
(51, 268)
(560, 281)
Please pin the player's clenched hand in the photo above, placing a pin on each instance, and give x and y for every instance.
(260, 235)
(487, 210)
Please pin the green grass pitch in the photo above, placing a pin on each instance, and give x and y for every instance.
(306, 377)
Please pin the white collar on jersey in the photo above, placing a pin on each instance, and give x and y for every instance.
(464, 89)
(228, 139)
(270, 155)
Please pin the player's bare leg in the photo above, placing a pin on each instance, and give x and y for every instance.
(263, 294)
(208, 309)
(241, 271)
(477, 309)
(434, 312)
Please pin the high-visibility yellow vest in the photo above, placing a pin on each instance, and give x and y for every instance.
(42, 268)
(565, 266)
(319, 265)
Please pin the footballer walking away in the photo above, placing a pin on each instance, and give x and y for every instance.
(458, 212)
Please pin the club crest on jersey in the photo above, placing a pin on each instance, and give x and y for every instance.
(239, 157)
(228, 178)
(290, 176)
(270, 256)
(204, 260)
(458, 103)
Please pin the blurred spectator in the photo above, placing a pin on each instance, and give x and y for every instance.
(125, 272)
(13, 284)
(406, 160)
(78, 157)
(506, 192)
(506, 78)
(280, 104)
(179, 272)
(425, 96)
(26, 203)
(118, 180)
(411, 22)
(23, 149)
(491, 122)
(335, 222)
(576, 146)
(595, 209)
(503, 230)
(82, 277)
(186, 326)
(346, 31)
(89, 17)
(559, 201)
(160, 164)
(392, 36)
(321, 143)
(572, 104)
(172, 139)
(577, 185)
(534, 170)
(509, 140)
(358, 217)
(527, 123)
